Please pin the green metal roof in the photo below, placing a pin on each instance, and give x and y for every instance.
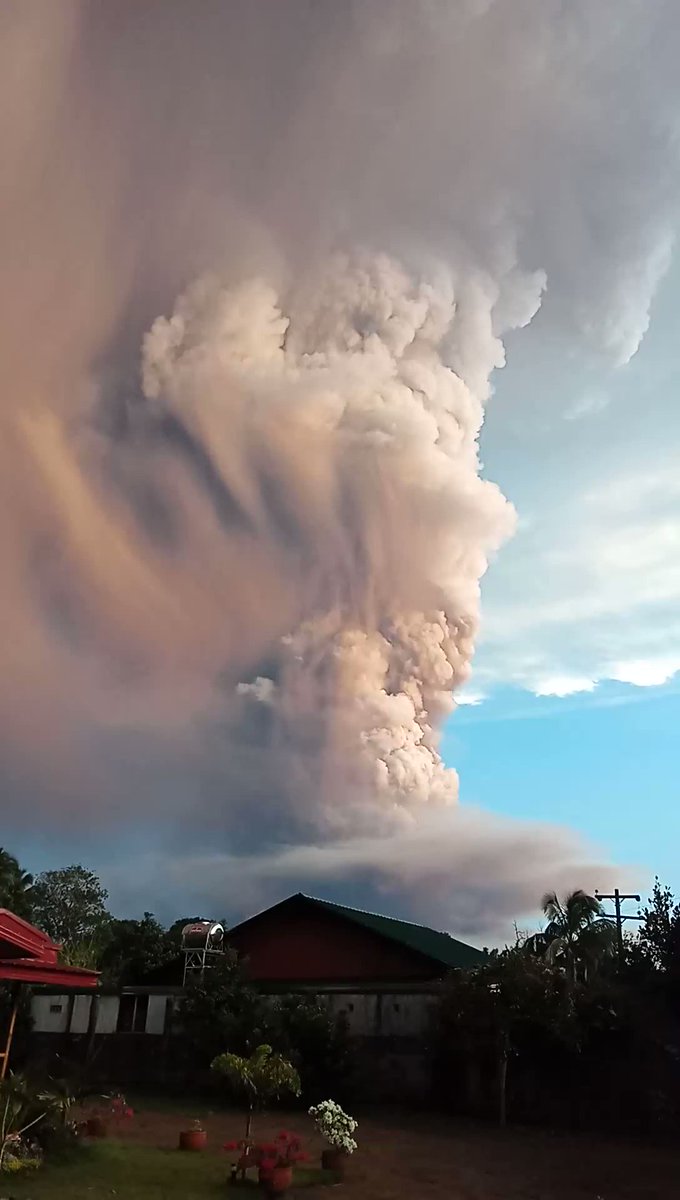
(434, 945)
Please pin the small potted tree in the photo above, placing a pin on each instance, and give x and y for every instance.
(337, 1128)
(263, 1077)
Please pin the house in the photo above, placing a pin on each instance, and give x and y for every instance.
(379, 973)
(29, 956)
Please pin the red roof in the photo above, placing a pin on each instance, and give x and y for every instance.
(29, 956)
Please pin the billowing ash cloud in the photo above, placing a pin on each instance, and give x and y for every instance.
(335, 441)
(241, 576)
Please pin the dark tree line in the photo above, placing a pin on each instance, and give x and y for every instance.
(71, 906)
(561, 1029)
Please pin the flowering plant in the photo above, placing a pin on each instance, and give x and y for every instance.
(108, 1108)
(20, 1154)
(120, 1109)
(284, 1151)
(335, 1125)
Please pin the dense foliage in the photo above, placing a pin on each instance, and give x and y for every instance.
(16, 886)
(70, 906)
(130, 949)
(221, 1009)
(560, 1028)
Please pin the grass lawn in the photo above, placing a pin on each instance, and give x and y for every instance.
(416, 1155)
(132, 1172)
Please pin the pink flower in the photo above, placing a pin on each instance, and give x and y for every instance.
(129, 1112)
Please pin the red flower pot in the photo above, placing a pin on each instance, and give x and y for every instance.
(280, 1180)
(334, 1160)
(193, 1139)
(96, 1127)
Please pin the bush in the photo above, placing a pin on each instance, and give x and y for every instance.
(302, 1028)
(221, 1009)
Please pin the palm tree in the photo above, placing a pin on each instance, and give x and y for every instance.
(16, 886)
(578, 935)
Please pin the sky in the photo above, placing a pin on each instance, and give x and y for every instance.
(579, 717)
(339, 500)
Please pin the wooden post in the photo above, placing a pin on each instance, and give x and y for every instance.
(92, 1027)
(502, 1080)
(4, 1055)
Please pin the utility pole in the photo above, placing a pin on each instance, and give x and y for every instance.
(617, 915)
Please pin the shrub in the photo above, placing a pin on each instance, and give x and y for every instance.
(302, 1029)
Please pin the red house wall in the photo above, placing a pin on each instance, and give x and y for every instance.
(315, 947)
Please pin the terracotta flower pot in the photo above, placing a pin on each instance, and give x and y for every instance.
(96, 1127)
(193, 1139)
(335, 1160)
(280, 1180)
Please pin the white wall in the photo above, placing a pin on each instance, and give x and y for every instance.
(367, 1014)
(155, 1017)
(81, 1014)
(46, 1021)
(405, 1016)
(382, 1015)
(107, 1016)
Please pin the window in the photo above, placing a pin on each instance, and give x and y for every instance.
(56, 1008)
(132, 1014)
(126, 1014)
(141, 1010)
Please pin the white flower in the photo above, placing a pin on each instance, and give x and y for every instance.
(335, 1125)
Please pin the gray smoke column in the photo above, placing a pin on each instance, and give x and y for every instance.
(241, 572)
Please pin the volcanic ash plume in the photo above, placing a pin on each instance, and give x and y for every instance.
(339, 432)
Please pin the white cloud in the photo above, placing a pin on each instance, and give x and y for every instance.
(468, 696)
(589, 590)
(564, 685)
(645, 672)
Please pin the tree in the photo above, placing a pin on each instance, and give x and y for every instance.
(491, 1013)
(133, 948)
(16, 886)
(70, 906)
(304, 1030)
(577, 937)
(261, 1077)
(221, 1009)
(659, 931)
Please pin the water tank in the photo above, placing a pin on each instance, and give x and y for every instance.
(203, 935)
